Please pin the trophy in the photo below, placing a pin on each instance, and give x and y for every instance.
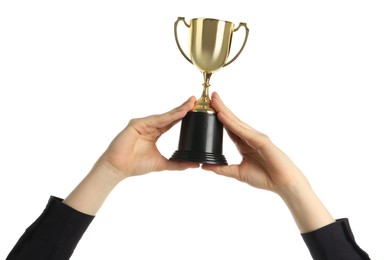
(201, 132)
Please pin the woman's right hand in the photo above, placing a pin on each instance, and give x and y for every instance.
(266, 167)
(263, 165)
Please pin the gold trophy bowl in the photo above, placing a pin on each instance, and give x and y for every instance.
(201, 133)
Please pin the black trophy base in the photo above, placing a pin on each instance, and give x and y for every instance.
(201, 137)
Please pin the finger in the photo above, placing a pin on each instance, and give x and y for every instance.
(235, 138)
(231, 122)
(178, 112)
(163, 122)
(221, 108)
(231, 171)
(229, 117)
(172, 116)
(169, 126)
(177, 165)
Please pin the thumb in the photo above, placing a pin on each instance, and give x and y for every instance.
(178, 166)
(231, 171)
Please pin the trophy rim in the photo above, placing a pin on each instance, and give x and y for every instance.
(213, 19)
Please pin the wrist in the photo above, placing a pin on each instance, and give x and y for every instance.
(107, 171)
(292, 191)
(306, 208)
(92, 191)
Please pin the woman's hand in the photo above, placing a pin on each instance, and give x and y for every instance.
(265, 166)
(134, 150)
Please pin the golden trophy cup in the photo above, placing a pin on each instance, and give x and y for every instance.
(201, 132)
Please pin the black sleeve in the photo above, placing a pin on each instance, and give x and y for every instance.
(54, 235)
(334, 242)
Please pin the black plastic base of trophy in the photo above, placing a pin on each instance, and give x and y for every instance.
(204, 158)
(201, 137)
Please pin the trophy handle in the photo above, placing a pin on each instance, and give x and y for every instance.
(243, 45)
(177, 39)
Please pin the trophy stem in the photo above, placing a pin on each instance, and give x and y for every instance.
(203, 103)
(206, 78)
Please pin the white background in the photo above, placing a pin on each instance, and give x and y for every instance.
(314, 76)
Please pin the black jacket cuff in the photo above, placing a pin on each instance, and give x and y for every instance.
(334, 242)
(54, 235)
(60, 224)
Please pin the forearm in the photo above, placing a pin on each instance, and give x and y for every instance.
(306, 208)
(93, 190)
